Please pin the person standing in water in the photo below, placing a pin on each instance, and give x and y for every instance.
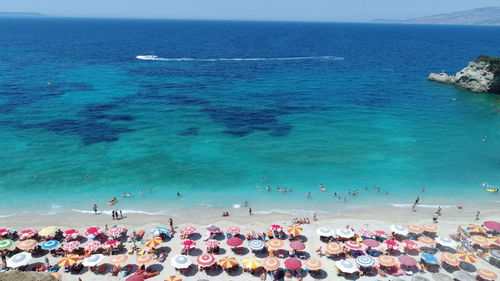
(95, 209)
(250, 212)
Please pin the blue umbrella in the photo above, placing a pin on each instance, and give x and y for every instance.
(49, 245)
(160, 230)
(428, 258)
(365, 261)
(495, 254)
(256, 245)
(213, 228)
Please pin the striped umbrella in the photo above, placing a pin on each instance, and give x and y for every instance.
(371, 243)
(271, 264)
(70, 246)
(153, 242)
(159, 230)
(495, 254)
(399, 229)
(274, 244)
(480, 240)
(93, 260)
(27, 244)
(345, 232)
(426, 240)
(228, 262)
(445, 241)
(48, 245)
(4, 231)
(297, 246)
(346, 266)
(213, 229)
(92, 231)
(115, 231)
(365, 232)
(28, 232)
(205, 260)
(407, 261)
(313, 264)
(495, 240)
(353, 245)
(487, 274)
(5, 243)
(295, 229)
(252, 263)
(47, 231)
(293, 263)
(466, 256)
(325, 232)
(415, 229)
(144, 259)
(234, 241)
(212, 243)
(18, 260)
(428, 258)
(234, 230)
(450, 259)
(430, 228)
(365, 261)
(476, 228)
(181, 261)
(188, 230)
(333, 248)
(68, 260)
(173, 278)
(92, 246)
(385, 260)
(118, 259)
(256, 245)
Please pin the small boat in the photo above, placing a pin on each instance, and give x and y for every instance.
(146, 57)
(492, 190)
(112, 202)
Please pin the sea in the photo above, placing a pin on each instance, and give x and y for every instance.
(227, 108)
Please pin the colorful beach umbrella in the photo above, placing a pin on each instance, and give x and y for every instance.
(213, 229)
(450, 259)
(430, 228)
(274, 244)
(136, 277)
(428, 258)
(47, 231)
(92, 246)
(476, 228)
(205, 260)
(409, 243)
(93, 260)
(365, 261)
(446, 241)
(293, 263)
(252, 263)
(325, 231)
(18, 260)
(313, 264)
(333, 248)
(118, 259)
(487, 274)
(371, 243)
(115, 231)
(256, 245)
(49, 245)
(495, 240)
(495, 254)
(399, 229)
(228, 262)
(144, 259)
(234, 230)
(4, 231)
(295, 229)
(492, 225)
(426, 240)
(188, 243)
(346, 266)
(181, 261)
(275, 227)
(92, 231)
(479, 240)
(188, 230)
(153, 242)
(386, 260)
(466, 256)
(234, 241)
(353, 245)
(271, 264)
(414, 229)
(365, 232)
(391, 243)
(70, 232)
(345, 233)
(70, 246)
(112, 243)
(380, 233)
(212, 243)
(173, 278)
(68, 260)
(297, 246)
(5, 243)
(407, 260)
(27, 244)
(28, 232)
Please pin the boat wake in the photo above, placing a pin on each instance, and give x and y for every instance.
(155, 58)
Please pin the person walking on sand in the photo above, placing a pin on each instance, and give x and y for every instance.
(439, 211)
(95, 209)
(435, 218)
(171, 222)
(250, 211)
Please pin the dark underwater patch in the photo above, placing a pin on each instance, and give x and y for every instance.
(193, 131)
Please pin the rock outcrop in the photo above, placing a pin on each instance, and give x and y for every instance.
(26, 276)
(480, 76)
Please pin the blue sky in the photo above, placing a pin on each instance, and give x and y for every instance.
(299, 10)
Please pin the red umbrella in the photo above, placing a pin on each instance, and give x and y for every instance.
(275, 227)
(135, 277)
(391, 243)
(353, 245)
(28, 232)
(293, 263)
(297, 246)
(407, 260)
(492, 225)
(70, 232)
(234, 241)
(381, 233)
(410, 243)
(92, 231)
(205, 260)
(4, 231)
(188, 243)
(112, 243)
(371, 243)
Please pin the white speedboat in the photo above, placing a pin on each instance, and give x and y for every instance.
(147, 57)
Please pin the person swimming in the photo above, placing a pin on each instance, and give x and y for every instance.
(308, 195)
(126, 194)
(322, 188)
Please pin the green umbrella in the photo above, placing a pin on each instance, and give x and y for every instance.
(6, 243)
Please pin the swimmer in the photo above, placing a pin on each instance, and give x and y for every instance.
(322, 188)
(268, 188)
(366, 187)
(284, 189)
(422, 190)
(308, 195)
(178, 194)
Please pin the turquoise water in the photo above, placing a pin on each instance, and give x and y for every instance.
(344, 105)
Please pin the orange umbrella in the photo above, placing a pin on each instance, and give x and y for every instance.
(385, 260)
(118, 259)
(333, 248)
(271, 264)
(450, 259)
(27, 244)
(313, 264)
(274, 244)
(430, 227)
(466, 256)
(144, 259)
(153, 242)
(228, 262)
(487, 274)
(295, 229)
(426, 240)
(476, 228)
(68, 260)
(173, 278)
(414, 229)
(480, 240)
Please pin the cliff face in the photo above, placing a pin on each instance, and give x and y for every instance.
(25, 276)
(480, 76)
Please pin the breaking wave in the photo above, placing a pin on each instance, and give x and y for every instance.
(155, 58)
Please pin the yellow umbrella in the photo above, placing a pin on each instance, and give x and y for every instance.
(487, 274)
(271, 264)
(466, 256)
(414, 229)
(385, 260)
(27, 244)
(252, 263)
(274, 244)
(450, 259)
(68, 260)
(295, 229)
(118, 259)
(46, 231)
(144, 259)
(153, 242)
(426, 240)
(333, 248)
(480, 240)
(173, 278)
(313, 264)
(228, 262)
(476, 228)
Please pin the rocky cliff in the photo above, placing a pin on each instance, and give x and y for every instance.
(480, 76)
(26, 276)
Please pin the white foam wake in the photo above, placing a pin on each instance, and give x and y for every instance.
(155, 58)
(108, 212)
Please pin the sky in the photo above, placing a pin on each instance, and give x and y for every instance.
(288, 10)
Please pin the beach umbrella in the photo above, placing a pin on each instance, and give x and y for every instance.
(492, 225)
(414, 229)
(476, 228)
(136, 277)
(486, 274)
(293, 263)
(27, 244)
(70, 233)
(92, 246)
(441, 277)
(365, 261)
(228, 262)
(144, 259)
(93, 260)
(380, 233)
(275, 227)
(313, 264)
(430, 259)
(495, 254)
(353, 245)
(463, 276)
(325, 231)
(212, 243)
(407, 260)
(365, 232)
(188, 244)
(173, 278)
(371, 243)
(256, 245)
(205, 260)
(181, 261)
(346, 266)
(115, 231)
(274, 244)
(450, 259)
(234, 241)
(112, 243)
(426, 240)
(28, 232)
(446, 241)
(480, 240)
(271, 264)
(430, 228)
(495, 240)
(391, 243)
(409, 243)
(70, 246)
(68, 260)
(5, 243)
(49, 245)
(92, 231)
(386, 260)
(213, 229)
(466, 256)
(188, 230)
(153, 242)
(18, 260)
(252, 263)
(118, 259)
(4, 231)
(344, 232)
(295, 229)
(48, 231)
(234, 230)
(333, 248)
(399, 229)
(297, 246)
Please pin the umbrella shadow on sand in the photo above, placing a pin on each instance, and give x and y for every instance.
(164, 249)
(219, 237)
(318, 274)
(429, 250)
(222, 251)
(156, 267)
(195, 252)
(193, 270)
(214, 272)
(195, 236)
(235, 271)
(469, 267)
(446, 249)
(413, 252)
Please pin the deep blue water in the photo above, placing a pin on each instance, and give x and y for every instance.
(345, 105)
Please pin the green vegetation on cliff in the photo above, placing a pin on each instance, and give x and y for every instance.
(493, 61)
